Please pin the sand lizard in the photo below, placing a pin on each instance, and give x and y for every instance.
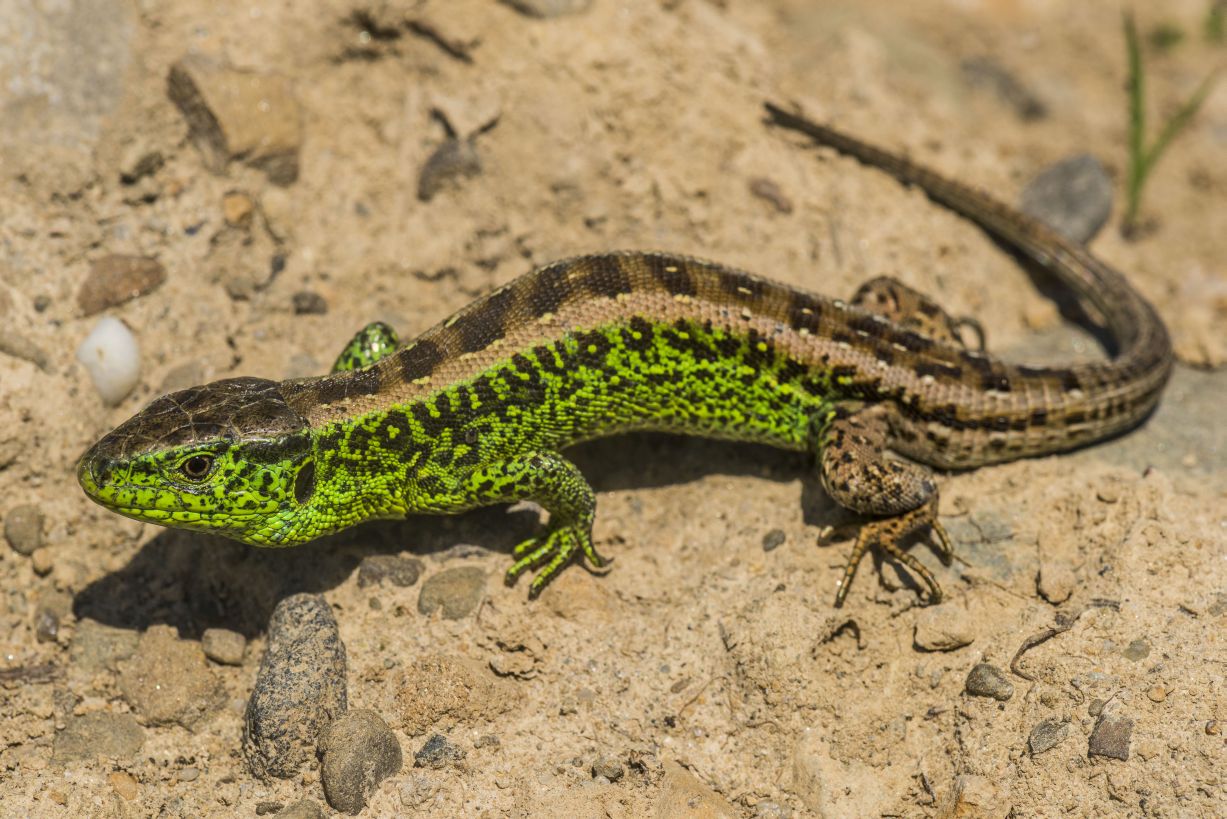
(477, 410)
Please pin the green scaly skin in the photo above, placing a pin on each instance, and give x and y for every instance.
(477, 410)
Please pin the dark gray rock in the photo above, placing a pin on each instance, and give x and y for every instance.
(1074, 197)
(986, 680)
(454, 592)
(1111, 737)
(23, 528)
(86, 737)
(399, 571)
(300, 687)
(774, 540)
(1047, 735)
(438, 752)
(359, 751)
(223, 646)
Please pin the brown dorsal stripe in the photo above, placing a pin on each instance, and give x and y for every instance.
(486, 323)
(549, 289)
(671, 274)
(420, 359)
(605, 276)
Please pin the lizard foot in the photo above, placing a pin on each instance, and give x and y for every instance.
(886, 534)
(552, 551)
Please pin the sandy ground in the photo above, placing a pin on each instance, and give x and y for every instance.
(713, 673)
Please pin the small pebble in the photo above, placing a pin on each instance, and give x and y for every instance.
(438, 753)
(300, 687)
(137, 162)
(237, 208)
(41, 302)
(1156, 693)
(303, 809)
(124, 784)
(1213, 728)
(112, 358)
(1136, 650)
(42, 561)
(454, 592)
(86, 737)
(399, 571)
(774, 540)
(942, 628)
(985, 680)
(1047, 735)
(359, 751)
(1110, 737)
(53, 607)
(23, 528)
(770, 192)
(309, 303)
(1073, 196)
(18, 346)
(189, 774)
(608, 767)
(487, 741)
(1056, 581)
(223, 646)
(115, 279)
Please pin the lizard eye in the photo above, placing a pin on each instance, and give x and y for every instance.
(197, 467)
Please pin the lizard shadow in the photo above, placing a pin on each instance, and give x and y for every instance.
(194, 581)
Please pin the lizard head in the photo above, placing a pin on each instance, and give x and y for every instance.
(230, 457)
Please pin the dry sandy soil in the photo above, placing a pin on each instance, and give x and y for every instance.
(712, 672)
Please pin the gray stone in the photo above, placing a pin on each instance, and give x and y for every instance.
(1111, 736)
(438, 752)
(986, 680)
(167, 681)
(1047, 735)
(774, 540)
(232, 114)
(116, 279)
(1074, 197)
(23, 528)
(1136, 650)
(223, 646)
(608, 767)
(89, 736)
(454, 592)
(300, 687)
(399, 571)
(359, 751)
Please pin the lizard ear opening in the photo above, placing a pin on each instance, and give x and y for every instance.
(304, 483)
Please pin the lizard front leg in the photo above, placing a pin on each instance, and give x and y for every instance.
(555, 483)
(851, 443)
(913, 310)
(371, 343)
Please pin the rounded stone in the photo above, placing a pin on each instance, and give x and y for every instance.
(985, 680)
(23, 528)
(359, 751)
(455, 592)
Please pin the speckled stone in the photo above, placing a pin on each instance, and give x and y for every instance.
(359, 751)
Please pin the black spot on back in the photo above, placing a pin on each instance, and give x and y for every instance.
(605, 277)
(671, 274)
(549, 289)
(419, 360)
(487, 323)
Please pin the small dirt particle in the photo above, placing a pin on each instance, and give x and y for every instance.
(1111, 736)
(774, 540)
(309, 303)
(223, 646)
(1047, 735)
(942, 628)
(397, 570)
(115, 279)
(608, 767)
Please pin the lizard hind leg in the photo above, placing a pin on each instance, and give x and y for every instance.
(913, 310)
(901, 497)
(371, 343)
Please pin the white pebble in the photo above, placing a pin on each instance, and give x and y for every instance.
(113, 359)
